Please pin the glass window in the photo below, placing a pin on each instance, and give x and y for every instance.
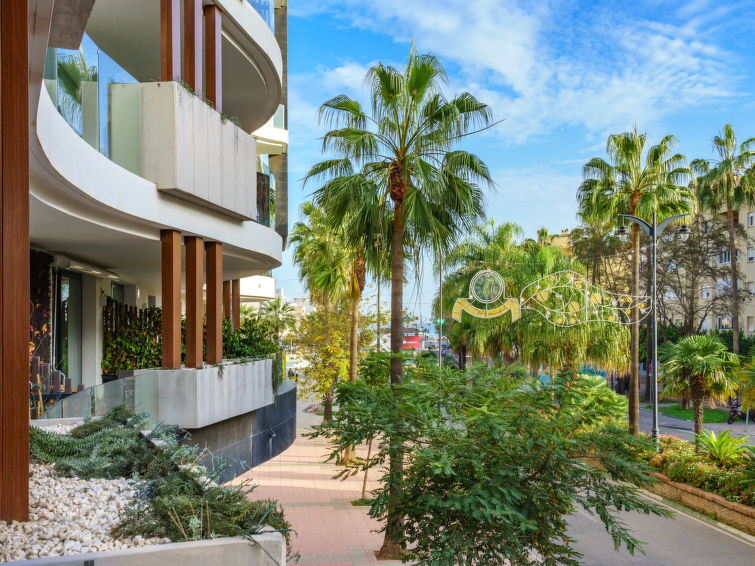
(751, 219)
(118, 292)
(751, 288)
(67, 339)
(724, 256)
(750, 254)
(706, 324)
(724, 322)
(722, 287)
(706, 293)
(750, 324)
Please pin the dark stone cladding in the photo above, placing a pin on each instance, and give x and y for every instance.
(240, 443)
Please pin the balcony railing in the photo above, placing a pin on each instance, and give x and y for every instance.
(95, 95)
(266, 9)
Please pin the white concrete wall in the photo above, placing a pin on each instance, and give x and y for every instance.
(190, 152)
(195, 398)
(76, 176)
(229, 551)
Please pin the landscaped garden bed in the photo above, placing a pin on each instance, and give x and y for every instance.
(108, 485)
(718, 481)
(709, 415)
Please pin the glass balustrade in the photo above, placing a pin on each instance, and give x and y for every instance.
(138, 393)
(99, 100)
(279, 118)
(266, 9)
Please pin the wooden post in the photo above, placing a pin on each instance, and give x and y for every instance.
(193, 44)
(227, 300)
(194, 273)
(46, 383)
(68, 385)
(213, 62)
(171, 298)
(56, 388)
(14, 261)
(214, 253)
(236, 303)
(170, 39)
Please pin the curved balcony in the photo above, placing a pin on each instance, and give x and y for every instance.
(129, 31)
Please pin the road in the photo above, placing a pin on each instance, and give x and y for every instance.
(684, 428)
(681, 540)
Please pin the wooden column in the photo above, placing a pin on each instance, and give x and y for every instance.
(193, 44)
(170, 39)
(214, 253)
(171, 298)
(236, 303)
(227, 300)
(14, 262)
(194, 271)
(213, 62)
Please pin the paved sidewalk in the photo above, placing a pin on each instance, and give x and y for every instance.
(329, 530)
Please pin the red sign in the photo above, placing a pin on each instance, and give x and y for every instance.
(411, 342)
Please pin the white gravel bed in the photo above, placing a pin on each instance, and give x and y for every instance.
(69, 516)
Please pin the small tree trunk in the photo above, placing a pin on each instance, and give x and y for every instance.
(328, 405)
(366, 470)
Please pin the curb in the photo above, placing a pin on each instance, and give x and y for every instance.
(731, 531)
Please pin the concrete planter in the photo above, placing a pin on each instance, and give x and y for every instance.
(734, 514)
(230, 550)
(196, 398)
(189, 151)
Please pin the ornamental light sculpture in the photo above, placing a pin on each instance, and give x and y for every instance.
(654, 230)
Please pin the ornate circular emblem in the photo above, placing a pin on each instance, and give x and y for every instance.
(487, 286)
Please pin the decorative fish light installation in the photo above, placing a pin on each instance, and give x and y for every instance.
(564, 298)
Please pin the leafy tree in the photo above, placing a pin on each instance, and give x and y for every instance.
(405, 145)
(493, 462)
(728, 183)
(700, 367)
(325, 267)
(639, 182)
(603, 254)
(685, 269)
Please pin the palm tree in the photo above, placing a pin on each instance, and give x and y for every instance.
(730, 183)
(701, 367)
(73, 72)
(405, 146)
(279, 315)
(638, 182)
(324, 266)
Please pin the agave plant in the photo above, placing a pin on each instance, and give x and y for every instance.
(723, 449)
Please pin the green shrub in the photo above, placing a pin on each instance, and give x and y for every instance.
(723, 449)
(180, 503)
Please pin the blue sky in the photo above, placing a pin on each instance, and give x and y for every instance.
(561, 74)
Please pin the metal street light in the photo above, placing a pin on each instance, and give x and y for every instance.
(653, 230)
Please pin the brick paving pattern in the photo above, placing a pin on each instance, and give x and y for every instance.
(329, 530)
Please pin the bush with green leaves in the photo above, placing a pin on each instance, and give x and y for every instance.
(678, 460)
(177, 497)
(493, 462)
(722, 449)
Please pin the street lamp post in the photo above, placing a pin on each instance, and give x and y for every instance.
(654, 230)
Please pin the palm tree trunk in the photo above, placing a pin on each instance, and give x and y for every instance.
(348, 452)
(393, 543)
(634, 344)
(697, 391)
(734, 281)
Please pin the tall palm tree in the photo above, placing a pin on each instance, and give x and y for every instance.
(404, 145)
(728, 183)
(279, 315)
(639, 182)
(701, 367)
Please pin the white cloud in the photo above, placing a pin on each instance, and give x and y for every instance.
(542, 66)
